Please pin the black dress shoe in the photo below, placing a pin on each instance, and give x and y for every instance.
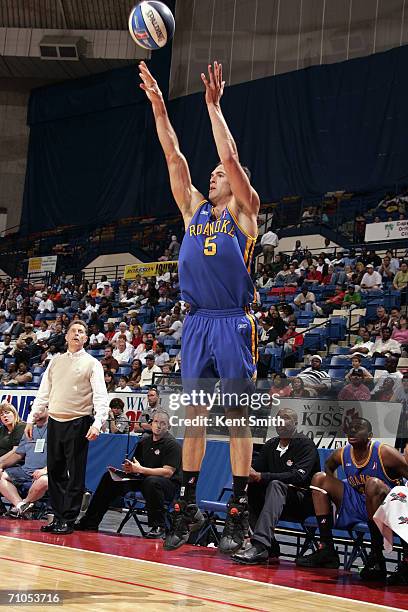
(251, 556)
(155, 533)
(63, 528)
(50, 527)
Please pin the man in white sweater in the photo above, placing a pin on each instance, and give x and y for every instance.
(73, 388)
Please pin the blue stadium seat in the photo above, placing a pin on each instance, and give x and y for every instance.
(340, 362)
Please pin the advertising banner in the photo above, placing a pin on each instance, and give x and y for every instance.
(42, 264)
(153, 268)
(387, 231)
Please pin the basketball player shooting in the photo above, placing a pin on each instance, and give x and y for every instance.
(219, 334)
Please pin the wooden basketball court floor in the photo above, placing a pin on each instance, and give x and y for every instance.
(104, 571)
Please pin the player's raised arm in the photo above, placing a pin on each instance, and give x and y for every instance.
(185, 194)
(246, 197)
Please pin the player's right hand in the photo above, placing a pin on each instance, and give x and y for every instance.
(149, 85)
(29, 431)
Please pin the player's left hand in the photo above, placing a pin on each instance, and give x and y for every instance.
(214, 85)
(93, 433)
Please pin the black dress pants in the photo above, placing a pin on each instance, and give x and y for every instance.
(67, 452)
(268, 503)
(155, 489)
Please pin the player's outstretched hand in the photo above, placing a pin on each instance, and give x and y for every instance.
(214, 85)
(149, 84)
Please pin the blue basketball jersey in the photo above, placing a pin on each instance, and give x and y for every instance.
(357, 475)
(215, 261)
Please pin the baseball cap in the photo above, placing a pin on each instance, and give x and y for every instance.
(369, 266)
(316, 357)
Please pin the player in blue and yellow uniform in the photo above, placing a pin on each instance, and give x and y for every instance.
(219, 335)
(371, 470)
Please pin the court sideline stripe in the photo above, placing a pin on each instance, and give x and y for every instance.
(136, 584)
(189, 569)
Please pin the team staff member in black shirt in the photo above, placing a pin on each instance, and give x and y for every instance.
(279, 487)
(157, 460)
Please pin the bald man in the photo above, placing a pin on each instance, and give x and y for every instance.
(279, 487)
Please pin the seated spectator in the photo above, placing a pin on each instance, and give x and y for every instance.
(97, 339)
(22, 377)
(122, 331)
(292, 279)
(32, 473)
(287, 314)
(147, 350)
(276, 330)
(400, 281)
(315, 380)
(110, 332)
(157, 460)
(124, 351)
(28, 332)
(176, 327)
(363, 345)
(49, 355)
(298, 388)
(3, 324)
(146, 379)
(386, 272)
(108, 360)
(117, 422)
(280, 386)
(57, 339)
(371, 279)
(43, 332)
(306, 300)
(356, 365)
(109, 381)
(313, 277)
(357, 498)
(16, 328)
(281, 276)
(264, 282)
(352, 298)
(161, 357)
(123, 384)
(389, 372)
(334, 302)
(385, 390)
(356, 389)
(46, 304)
(394, 317)
(6, 347)
(381, 321)
(327, 275)
(279, 488)
(400, 335)
(11, 429)
(135, 374)
(386, 346)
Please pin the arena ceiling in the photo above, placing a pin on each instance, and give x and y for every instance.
(102, 23)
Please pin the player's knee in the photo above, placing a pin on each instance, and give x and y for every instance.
(319, 479)
(375, 487)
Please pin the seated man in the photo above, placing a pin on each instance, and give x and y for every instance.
(157, 460)
(371, 469)
(278, 478)
(21, 377)
(316, 380)
(32, 473)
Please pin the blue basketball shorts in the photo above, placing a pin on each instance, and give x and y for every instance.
(219, 345)
(353, 508)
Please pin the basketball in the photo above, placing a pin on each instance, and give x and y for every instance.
(151, 24)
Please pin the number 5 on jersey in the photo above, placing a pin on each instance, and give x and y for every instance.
(210, 247)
